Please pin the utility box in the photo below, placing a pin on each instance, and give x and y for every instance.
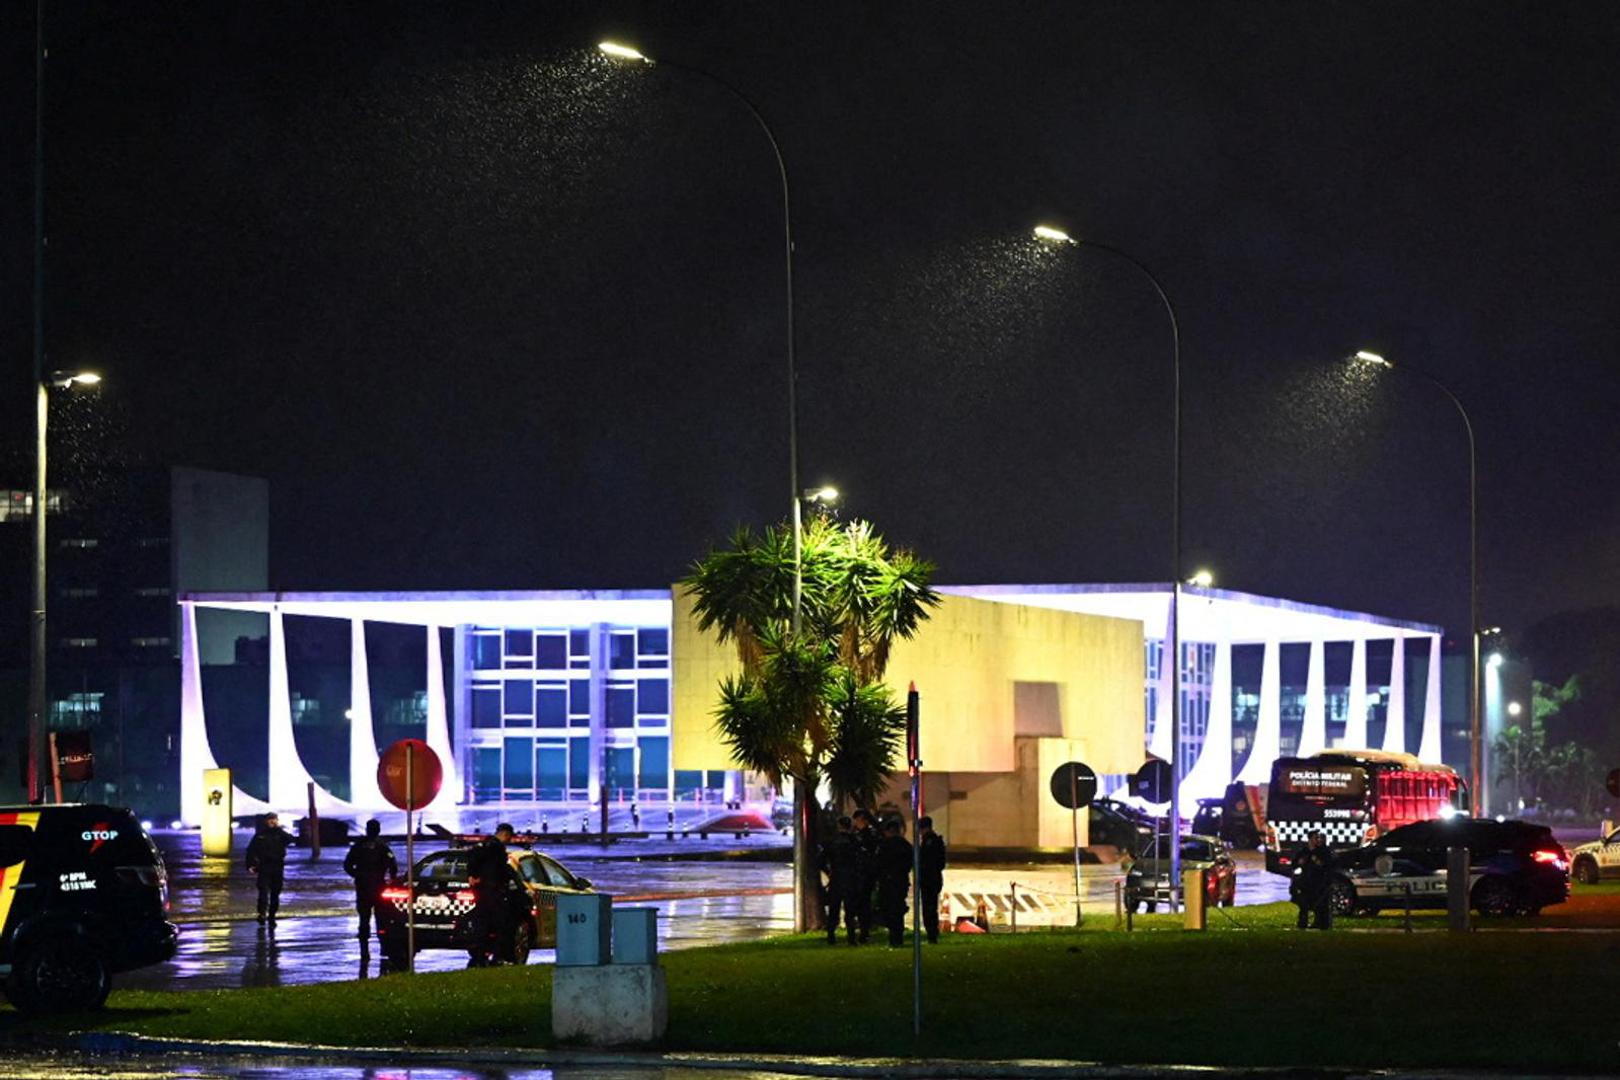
(584, 929)
(635, 935)
(1192, 896)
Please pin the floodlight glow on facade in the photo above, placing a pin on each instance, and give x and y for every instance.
(61, 380)
(622, 52)
(1056, 236)
(1494, 660)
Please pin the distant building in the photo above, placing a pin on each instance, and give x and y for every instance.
(116, 563)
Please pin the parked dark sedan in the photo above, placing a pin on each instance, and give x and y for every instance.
(1514, 868)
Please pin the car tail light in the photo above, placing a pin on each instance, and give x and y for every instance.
(466, 896)
(396, 895)
(1554, 858)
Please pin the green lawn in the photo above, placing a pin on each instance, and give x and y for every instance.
(1231, 996)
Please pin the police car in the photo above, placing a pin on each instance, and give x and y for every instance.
(444, 902)
(1591, 863)
(83, 896)
(1515, 868)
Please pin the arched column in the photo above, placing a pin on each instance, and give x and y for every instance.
(1313, 734)
(1355, 717)
(1213, 770)
(1159, 744)
(438, 725)
(196, 755)
(289, 779)
(1268, 732)
(1395, 715)
(1429, 744)
(363, 790)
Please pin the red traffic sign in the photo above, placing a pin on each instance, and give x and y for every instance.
(409, 774)
(1613, 783)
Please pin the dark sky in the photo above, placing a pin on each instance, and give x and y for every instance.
(490, 311)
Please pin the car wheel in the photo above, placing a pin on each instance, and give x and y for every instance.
(59, 975)
(522, 942)
(1341, 897)
(1494, 898)
(1586, 871)
(1152, 907)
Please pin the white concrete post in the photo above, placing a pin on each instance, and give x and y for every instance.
(363, 790)
(289, 780)
(1212, 771)
(1313, 734)
(1429, 743)
(1268, 732)
(1395, 715)
(1159, 744)
(1355, 725)
(438, 725)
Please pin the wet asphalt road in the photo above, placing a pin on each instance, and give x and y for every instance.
(699, 903)
(73, 1067)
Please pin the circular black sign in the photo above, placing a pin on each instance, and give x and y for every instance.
(1074, 785)
(1153, 781)
(1613, 783)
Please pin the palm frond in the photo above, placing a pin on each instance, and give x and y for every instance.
(867, 729)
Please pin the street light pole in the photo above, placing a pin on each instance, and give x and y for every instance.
(1476, 746)
(1172, 654)
(36, 638)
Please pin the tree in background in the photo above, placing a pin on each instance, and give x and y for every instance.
(812, 706)
(1544, 774)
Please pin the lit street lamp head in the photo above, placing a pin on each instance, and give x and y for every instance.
(1053, 236)
(824, 494)
(61, 380)
(1203, 579)
(622, 52)
(1365, 357)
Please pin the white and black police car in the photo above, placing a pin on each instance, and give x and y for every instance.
(1591, 863)
(83, 896)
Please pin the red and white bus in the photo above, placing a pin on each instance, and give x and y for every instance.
(1353, 796)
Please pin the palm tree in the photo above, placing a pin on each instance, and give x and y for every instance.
(812, 707)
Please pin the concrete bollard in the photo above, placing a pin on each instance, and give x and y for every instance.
(1192, 892)
(1457, 889)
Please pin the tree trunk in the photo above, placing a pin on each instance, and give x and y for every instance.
(807, 914)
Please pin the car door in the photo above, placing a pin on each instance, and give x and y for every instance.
(544, 904)
(1608, 856)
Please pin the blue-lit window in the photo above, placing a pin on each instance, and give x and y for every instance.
(687, 781)
(579, 763)
(579, 697)
(519, 698)
(519, 648)
(621, 705)
(551, 767)
(654, 770)
(621, 767)
(652, 696)
(486, 705)
(621, 650)
(550, 652)
(579, 648)
(550, 706)
(487, 772)
(518, 776)
(652, 642)
(486, 652)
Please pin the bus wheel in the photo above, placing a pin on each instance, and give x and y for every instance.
(1586, 870)
(1341, 897)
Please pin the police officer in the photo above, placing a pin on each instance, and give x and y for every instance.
(267, 861)
(931, 879)
(893, 880)
(488, 872)
(859, 899)
(841, 860)
(371, 864)
(1313, 874)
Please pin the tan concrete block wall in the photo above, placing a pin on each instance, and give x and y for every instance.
(698, 662)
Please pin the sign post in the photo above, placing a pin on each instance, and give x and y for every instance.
(1074, 785)
(1153, 782)
(409, 775)
(914, 764)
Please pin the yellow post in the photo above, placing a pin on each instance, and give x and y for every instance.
(217, 812)
(1192, 895)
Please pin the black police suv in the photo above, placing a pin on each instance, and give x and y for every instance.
(83, 896)
(1514, 868)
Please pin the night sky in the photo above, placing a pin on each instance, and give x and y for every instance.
(491, 311)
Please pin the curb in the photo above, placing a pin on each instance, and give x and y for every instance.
(125, 1044)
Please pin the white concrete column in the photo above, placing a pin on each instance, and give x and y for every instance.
(438, 725)
(288, 777)
(1159, 743)
(1268, 733)
(363, 790)
(1313, 735)
(1395, 715)
(1355, 717)
(196, 755)
(1210, 774)
(1429, 743)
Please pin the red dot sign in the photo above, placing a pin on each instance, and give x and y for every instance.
(409, 774)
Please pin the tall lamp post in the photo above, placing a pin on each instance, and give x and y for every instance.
(58, 380)
(1050, 235)
(802, 918)
(1476, 746)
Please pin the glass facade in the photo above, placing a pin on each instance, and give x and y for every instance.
(1197, 672)
(550, 710)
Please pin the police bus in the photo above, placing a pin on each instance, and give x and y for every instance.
(1353, 797)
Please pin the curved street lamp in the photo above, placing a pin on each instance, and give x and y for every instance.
(1049, 234)
(1476, 749)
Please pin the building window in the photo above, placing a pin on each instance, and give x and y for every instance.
(19, 505)
(149, 642)
(519, 648)
(550, 705)
(153, 590)
(76, 711)
(621, 651)
(78, 643)
(550, 652)
(621, 705)
(519, 705)
(486, 705)
(152, 542)
(652, 696)
(486, 651)
(579, 648)
(81, 542)
(81, 592)
(653, 769)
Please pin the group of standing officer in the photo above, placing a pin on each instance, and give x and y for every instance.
(868, 870)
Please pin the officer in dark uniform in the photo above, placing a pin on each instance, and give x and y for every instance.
(931, 879)
(489, 872)
(267, 861)
(841, 860)
(859, 899)
(893, 880)
(1313, 874)
(371, 864)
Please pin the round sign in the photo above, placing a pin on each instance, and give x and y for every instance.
(1074, 785)
(1153, 781)
(409, 774)
(1613, 783)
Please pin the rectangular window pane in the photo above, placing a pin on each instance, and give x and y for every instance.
(550, 706)
(519, 697)
(487, 772)
(621, 766)
(579, 644)
(550, 652)
(519, 772)
(579, 763)
(486, 652)
(653, 642)
(654, 767)
(486, 707)
(579, 697)
(621, 650)
(652, 696)
(687, 781)
(519, 644)
(551, 763)
(621, 706)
